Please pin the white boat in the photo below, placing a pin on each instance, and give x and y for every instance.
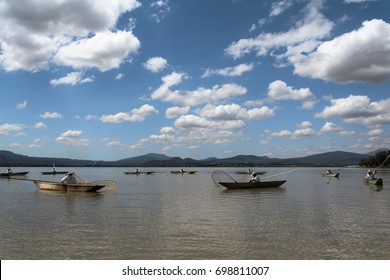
(78, 187)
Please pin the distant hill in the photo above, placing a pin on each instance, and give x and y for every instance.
(141, 160)
(337, 158)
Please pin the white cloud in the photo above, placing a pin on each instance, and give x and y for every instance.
(7, 127)
(72, 78)
(136, 115)
(358, 109)
(234, 112)
(357, 1)
(119, 76)
(329, 127)
(156, 64)
(49, 115)
(22, 105)
(192, 121)
(39, 125)
(105, 50)
(72, 138)
(173, 112)
(163, 9)
(15, 145)
(347, 133)
(279, 7)
(304, 130)
(283, 133)
(229, 71)
(375, 132)
(312, 27)
(279, 90)
(145, 110)
(196, 97)
(34, 31)
(362, 55)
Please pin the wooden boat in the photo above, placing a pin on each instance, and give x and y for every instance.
(13, 174)
(54, 172)
(376, 182)
(139, 172)
(250, 172)
(183, 172)
(250, 185)
(331, 175)
(58, 186)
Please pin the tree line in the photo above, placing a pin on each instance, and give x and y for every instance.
(380, 159)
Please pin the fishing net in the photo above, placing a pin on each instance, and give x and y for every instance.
(80, 180)
(221, 176)
(107, 183)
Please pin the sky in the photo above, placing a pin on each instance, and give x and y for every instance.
(111, 79)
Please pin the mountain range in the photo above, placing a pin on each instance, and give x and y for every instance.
(336, 158)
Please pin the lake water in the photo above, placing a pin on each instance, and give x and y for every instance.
(165, 216)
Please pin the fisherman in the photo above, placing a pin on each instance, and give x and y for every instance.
(255, 178)
(9, 171)
(69, 178)
(136, 171)
(328, 172)
(370, 175)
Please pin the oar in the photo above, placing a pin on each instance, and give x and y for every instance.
(281, 173)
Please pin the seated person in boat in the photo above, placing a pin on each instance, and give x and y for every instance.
(136, 171)
(9, 171)
(69, 178)
(255, 178)
(328, 172)
(370, 175)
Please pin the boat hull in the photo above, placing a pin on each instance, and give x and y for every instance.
(139, 173)
(251, 185)
(185, 172)
(376, 182)
(13, 174)
(54, 173)
(58, 186)
(336, 175)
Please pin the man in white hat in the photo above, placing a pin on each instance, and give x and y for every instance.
(370, 175)
(255, 177)
(69, 178)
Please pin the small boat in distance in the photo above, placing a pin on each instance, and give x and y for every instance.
(184, 172)
(54, 171)
(78, 187)
(12, 174)
(139, 172)
(251, 185)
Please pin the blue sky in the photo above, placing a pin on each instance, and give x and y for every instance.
(113, 79)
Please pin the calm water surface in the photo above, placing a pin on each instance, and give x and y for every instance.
(164, 216)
